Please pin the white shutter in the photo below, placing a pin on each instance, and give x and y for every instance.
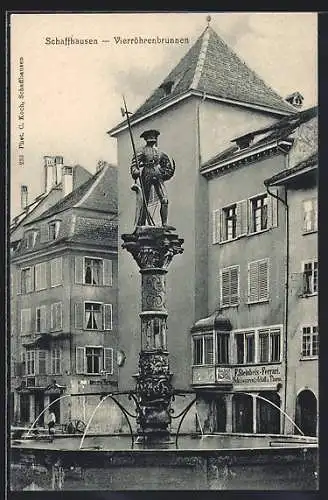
(32, 279)
(108, 360)
(79, 315)
(56, 274)
(19, 281)
(108, 310)
(242, 218)
(263, 274)
(40, 278)
(258, 280)
(59, 316)
(43, 233)
(107, 272)
(52, 316)
(25, 321)
(79, 270)
(80, 360)
(216, 226)
(234, 285)
(253, 292)
(43, 319)
(273, 209)
(225, 287)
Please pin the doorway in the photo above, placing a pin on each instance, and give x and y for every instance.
(24, 408)
(242, 409)
(55, 407)
(221, 414)
(39, 407)
(267, 416)
(306, 412)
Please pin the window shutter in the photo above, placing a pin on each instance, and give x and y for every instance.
(253, 292)
(59, 316)
(60, 270)
(107, 316)
(216, 226)
(79, 270)
(43, 319)
(52, 316)
(242, 218)
(108, 272)
(43, 233)
(80, 356)
(108, 360)
(32, 278)
(79, 315)
(19, 282)
(273, 209)
(234, 285)
(263, 274)
(225, 288)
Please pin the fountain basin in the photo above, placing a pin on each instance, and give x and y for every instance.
(214, 462)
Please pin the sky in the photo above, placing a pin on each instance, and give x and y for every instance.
(73, 95)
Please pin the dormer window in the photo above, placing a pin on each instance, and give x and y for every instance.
(53, 229)
(30, 239)
(167, 87)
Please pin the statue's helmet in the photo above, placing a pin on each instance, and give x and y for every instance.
(150, 135)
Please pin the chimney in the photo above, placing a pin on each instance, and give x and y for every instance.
(52, 171)
(67, 180)
(295, 99)
(24, 196)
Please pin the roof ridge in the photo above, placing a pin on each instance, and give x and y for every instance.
(201, 58)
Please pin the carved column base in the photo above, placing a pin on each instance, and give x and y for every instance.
(154, 390)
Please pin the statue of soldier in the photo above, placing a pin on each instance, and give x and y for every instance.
(156, 167)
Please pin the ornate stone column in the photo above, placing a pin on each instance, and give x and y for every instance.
(153, 248)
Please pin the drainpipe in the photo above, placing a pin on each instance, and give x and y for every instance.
(285, 203)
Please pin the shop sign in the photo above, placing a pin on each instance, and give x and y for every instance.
(100, 382)
(257, 375)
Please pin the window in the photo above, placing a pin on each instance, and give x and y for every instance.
(56, 316)
(30, 239)
(310, 215)
(56, 273)
(310, 277)
(25, 321)
(310, 341)
(40, 276)
(30, 362)
(203, 350)
(245, 347)
(230, 286)
(53, 230)
(229, 222)
(42, 362)
(259, 213)
(40, 319)
(222, 347)
(34, 362)
(56, 361)
(93, 316)
(258, 281)
(94, 360)
(93, 271)
(269, 341)
(27, 280)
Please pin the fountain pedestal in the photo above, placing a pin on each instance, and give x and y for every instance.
(153, 248)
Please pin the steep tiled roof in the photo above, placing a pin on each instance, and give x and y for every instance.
(97, 193)
(211, 66)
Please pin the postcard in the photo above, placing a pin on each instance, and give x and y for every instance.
(163, 251)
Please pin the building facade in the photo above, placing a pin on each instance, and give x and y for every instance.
(64, 304)
(228, 311)
(300, 185)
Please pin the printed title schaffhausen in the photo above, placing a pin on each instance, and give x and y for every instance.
(118, 40)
